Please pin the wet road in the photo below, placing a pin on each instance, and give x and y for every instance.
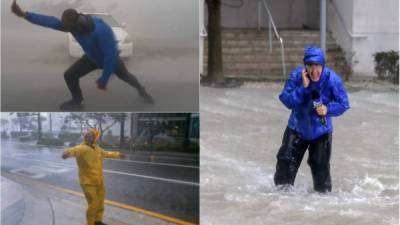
(164, 183)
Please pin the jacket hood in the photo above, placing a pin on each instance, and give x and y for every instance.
(314, 54)
(95, 132)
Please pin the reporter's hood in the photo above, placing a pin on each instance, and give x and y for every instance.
(314, 55)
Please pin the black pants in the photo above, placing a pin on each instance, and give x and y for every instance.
(84, 66)
(291, 154)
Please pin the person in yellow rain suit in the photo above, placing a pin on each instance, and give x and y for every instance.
(89, 158)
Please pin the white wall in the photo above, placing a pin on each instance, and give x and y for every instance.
(202, 34)
(379, 21)
(373, 26)
(340, 22)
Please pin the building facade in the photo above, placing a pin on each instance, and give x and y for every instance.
(360, 27)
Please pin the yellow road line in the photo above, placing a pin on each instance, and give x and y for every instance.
(110, 202)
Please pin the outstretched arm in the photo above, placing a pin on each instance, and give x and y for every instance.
(113, 154)
(66, 155)
(17, 10)
(38, 19)
(71, 152)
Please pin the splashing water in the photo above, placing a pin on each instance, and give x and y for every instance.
(241, 133)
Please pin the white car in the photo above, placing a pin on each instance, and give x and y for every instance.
(124, 41)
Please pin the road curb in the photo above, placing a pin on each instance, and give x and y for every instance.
(108, 202)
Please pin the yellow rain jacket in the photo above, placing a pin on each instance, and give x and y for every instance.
(90, 162)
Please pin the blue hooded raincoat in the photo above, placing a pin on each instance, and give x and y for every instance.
(304, 118)
(99, 46)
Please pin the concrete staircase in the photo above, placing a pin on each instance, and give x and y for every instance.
(246, 54)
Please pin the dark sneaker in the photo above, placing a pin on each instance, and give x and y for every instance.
(99, 223)
(71, 105)
(146, 97)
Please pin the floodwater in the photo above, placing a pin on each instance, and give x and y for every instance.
(241, 132)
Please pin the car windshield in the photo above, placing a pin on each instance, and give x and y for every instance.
(108, 19)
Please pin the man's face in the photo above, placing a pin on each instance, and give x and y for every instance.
(69, 19)
(314, 70)
(89, 138)
(68, 23)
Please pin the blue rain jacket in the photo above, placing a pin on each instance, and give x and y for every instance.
(99, 46)
(304, 118)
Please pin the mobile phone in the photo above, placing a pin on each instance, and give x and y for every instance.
(307, 73)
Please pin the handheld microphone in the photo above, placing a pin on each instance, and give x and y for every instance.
(316, 98)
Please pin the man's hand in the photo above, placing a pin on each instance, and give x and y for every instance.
(65, 155)
(17, 10)
(306, 79)
(122, 155)
(101, 85)
(322, 110)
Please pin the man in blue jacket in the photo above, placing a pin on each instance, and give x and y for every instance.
(97, 41)
(314, 94)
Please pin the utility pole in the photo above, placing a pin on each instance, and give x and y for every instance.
(323, 25)
(51, 123)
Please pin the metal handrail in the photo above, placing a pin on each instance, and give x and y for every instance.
(271, 22)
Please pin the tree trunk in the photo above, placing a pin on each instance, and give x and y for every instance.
(131, 127)
(214, 68)
(20, 123)
(81, 127)
(39, 120)
(131, 132)
(101, 131)
(51, 123)
(122, 130)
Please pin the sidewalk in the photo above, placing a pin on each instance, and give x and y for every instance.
(30, 202)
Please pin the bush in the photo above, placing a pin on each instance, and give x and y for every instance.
(4, 135)
(108, 145)
(25, 138)
(66, 136)
(387, 65)
(16, 134)
(48, 135)
(109, 141)
(34, 135)
(50, 141)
